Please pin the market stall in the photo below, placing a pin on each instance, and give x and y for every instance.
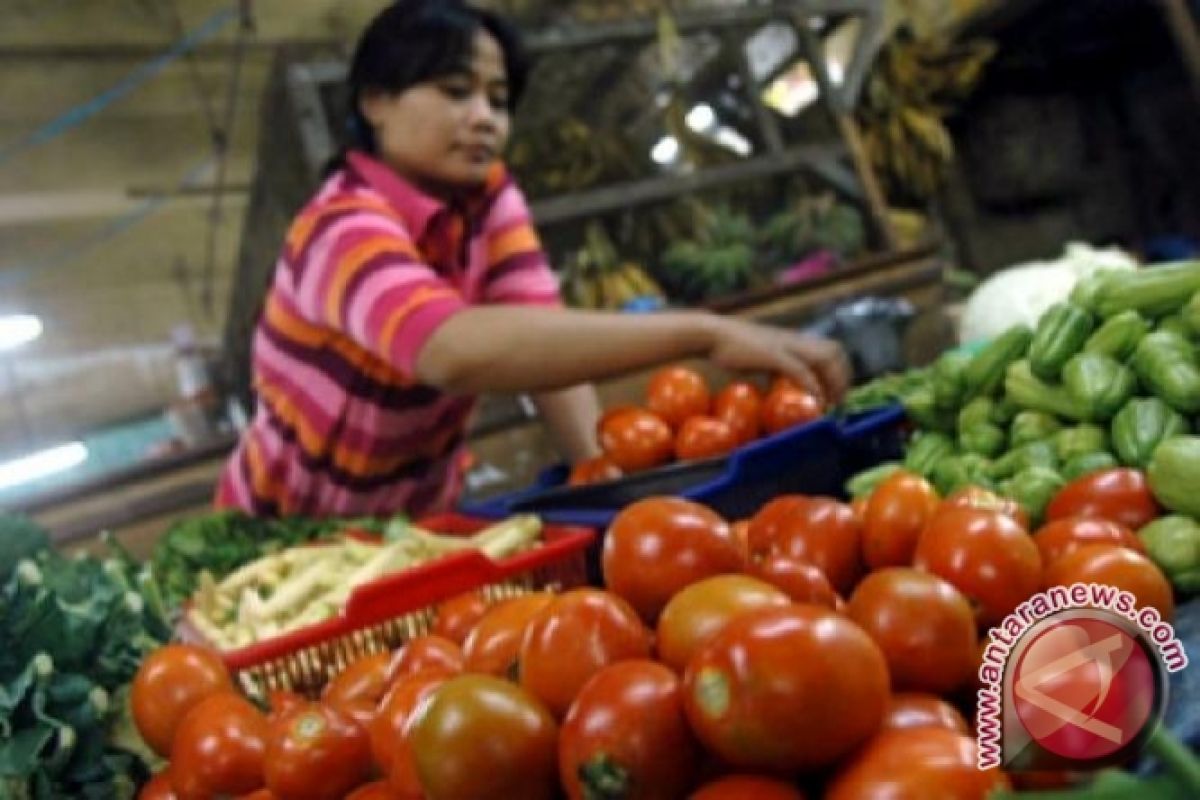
(973, 575)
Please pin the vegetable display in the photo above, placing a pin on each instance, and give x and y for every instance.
(222, 541)
(305, 585)
(685, 420)
(1109, 377)
(760, 678)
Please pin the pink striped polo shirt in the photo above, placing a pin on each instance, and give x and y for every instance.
(369, 270)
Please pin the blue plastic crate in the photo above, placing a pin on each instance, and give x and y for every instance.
(814, 459)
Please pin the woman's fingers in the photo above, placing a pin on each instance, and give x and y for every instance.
(802, 374)
(829, 362)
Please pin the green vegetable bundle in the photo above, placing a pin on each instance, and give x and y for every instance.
(73, 632)
(1110, 377)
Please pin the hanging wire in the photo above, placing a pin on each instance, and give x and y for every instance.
(170, 8)
(221, 148)
(79, 114)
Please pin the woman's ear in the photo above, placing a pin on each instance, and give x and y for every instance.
(373, 105)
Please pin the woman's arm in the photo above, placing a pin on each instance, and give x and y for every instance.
(528, 349)
(571, 416)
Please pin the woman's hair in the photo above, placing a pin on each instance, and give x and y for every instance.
(413, 41)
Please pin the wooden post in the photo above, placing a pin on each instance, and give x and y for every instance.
(848, 129)
(1182, 26)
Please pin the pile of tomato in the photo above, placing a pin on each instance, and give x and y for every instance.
(817, 649)
(683, 420)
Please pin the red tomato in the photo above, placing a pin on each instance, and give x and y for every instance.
(361, 711)
(423, 653)
(859, 506)
(912, 710)
(823, 532)
(741, 537)
(627, 725)
(388, 731)
(783, 382)
(1055, 539)
(699, 612)
(801, 581)
(923, 625)
(315, 752)
(747, 787)
(572, 639)
(986, 500)
(479, 736)
(786, 689)
(1118, 567)
(494, 644)
(704, 437)
(916, 764)
(219, 749)
(676, 393)
(786, 407)
(364, 680)
(594, 470)
(169, 683)
(1121, 495)
(635, 439)
(899, 509)
(281, 701)
(261, 794)
(458, 615)
(986, 555)
(766, 525)
(158, 788)
(657, 546)
(739, 405)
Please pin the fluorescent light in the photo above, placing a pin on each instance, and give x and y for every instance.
(665, 151)
(42, 464)
(18, 329)
(701, 117)
(728, 137)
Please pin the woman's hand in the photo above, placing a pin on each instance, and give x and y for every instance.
(819, 365)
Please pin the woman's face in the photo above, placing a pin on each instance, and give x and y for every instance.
(444, 134)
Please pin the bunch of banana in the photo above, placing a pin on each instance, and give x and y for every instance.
(595, 277)
(914, 86)
(811, 223)
(564, 156)
(720, 260)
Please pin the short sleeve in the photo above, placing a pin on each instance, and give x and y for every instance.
(518, 271)
(361, 274)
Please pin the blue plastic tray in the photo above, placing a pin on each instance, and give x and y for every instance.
(815, 459)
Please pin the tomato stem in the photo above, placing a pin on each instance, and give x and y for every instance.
(602, 778)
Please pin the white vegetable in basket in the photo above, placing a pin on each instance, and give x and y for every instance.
(309, 584)
(1022, 293)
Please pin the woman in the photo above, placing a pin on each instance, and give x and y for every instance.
(413, 281)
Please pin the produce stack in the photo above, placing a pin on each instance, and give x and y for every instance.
(817, 649)
(1109, 378)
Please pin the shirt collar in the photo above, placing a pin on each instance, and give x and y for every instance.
(417, 207)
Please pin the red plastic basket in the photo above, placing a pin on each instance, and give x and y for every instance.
(385, 613)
